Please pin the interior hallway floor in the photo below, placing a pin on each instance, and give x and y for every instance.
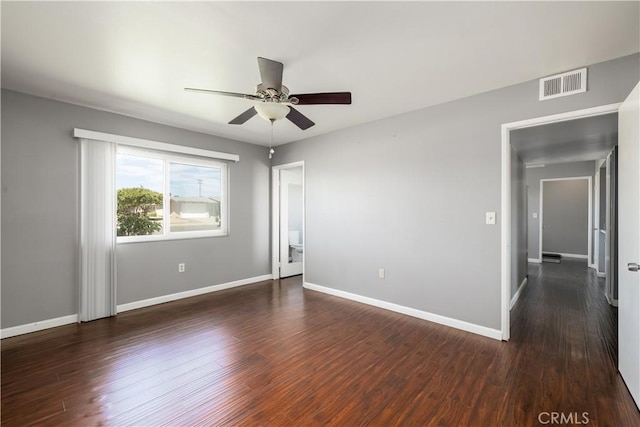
(567, 335)
(274, 354)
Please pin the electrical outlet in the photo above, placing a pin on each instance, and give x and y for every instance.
(181, 267)
(381, 273)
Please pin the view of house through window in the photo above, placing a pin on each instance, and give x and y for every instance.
(195, 197)
(162, 195)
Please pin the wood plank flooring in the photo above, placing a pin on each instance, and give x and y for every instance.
(273, 354)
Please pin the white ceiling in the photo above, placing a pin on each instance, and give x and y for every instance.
(136, 58)
(591, 138)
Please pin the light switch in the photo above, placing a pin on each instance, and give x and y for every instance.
(535, 215)
(491, 218)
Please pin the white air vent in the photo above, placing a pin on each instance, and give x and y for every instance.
(564, 84)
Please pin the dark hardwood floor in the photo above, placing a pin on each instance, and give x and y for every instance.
(273, 354)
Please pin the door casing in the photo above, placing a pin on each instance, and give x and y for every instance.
(505, 209)
(275, 217)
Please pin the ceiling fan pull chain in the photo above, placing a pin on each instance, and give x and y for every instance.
(271, 150)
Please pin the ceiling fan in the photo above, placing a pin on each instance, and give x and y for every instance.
(272, 99)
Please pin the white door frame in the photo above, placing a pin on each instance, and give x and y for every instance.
(275, 217)
(506, 194)
(589, 209)
(596, 218)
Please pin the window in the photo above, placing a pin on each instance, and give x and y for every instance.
(167, 196)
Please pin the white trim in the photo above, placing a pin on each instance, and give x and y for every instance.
(424, 315)
(167, 159)
(601, 274)
(589, 214)
(595, 267)
(192, 293)
(275, 217)
(505, 294)
(516, 296)
(596, 220)
(38, 326)
(153, 145)
(73, 318)
(535, 260)
(577, 256)
(506, 193)
(563, 117)
(609, 269)
(613, 302)
(275, 224)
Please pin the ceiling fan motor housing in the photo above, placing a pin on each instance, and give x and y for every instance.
(272, 94)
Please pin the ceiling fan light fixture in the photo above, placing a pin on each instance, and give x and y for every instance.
(272, 101)
(272, 110)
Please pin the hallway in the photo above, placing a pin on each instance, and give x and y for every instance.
(566, 336)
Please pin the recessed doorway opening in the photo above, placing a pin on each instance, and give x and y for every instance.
(288, 230)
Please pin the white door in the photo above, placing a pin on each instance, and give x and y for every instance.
(629, 243)
(291, 230)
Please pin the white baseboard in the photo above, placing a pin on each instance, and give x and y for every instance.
(535, 260)
(613, 302)
(73, 318)
(578, 256)
(515, 296)
(435, 318)
(600, 274)
(192, 293)
(38, 326)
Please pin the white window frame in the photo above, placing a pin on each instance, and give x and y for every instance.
(178, 152)
(170, 157)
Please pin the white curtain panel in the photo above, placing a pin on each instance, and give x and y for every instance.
(97, 230)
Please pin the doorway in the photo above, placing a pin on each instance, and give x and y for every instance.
(288, 231)
(565, 217)
(506, 208)
(626, 211)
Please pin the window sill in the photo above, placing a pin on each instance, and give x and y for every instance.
(163, 238)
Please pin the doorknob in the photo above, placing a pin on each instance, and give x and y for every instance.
(633, 266)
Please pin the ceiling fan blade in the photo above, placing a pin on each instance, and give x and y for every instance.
(244, 116)
(219, 92)
(323, 98)
(299, 119)
(271, 73)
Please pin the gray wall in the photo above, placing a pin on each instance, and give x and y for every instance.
(518, 222)
(533, 176)
(409, 194)
(565, 216)
(40, 214)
